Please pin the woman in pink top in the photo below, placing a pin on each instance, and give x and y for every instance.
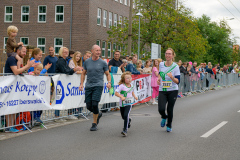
(154, 79)
(76, 61)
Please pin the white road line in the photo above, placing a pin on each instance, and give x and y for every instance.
(214, 129)
(239, 111)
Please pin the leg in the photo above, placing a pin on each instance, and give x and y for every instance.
(95, 111)
(126, 116)
(122, 112)
(162, 101)
(19, 62)
(171, 98)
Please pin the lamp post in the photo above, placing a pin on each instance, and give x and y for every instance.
(139, 15)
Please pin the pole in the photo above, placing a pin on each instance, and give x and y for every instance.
(130, 29)
(139, 38)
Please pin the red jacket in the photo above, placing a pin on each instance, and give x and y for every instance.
(214, 71)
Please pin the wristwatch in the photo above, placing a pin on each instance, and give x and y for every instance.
(109, 81)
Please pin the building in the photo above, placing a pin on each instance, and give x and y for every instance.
(76, 24)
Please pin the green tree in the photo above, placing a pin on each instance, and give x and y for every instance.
(163, 24)
(217, 35)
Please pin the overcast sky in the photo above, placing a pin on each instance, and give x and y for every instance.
(216, 11)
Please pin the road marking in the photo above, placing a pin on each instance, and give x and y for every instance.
(239, 111)
(214, 129)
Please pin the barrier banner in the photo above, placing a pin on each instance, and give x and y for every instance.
(142, 87)
(68, 95)
(24, 93)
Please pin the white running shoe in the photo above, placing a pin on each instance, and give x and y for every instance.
(154, 103)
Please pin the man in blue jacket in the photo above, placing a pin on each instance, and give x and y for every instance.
(132, 67)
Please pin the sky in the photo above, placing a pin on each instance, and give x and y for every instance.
(216, 11)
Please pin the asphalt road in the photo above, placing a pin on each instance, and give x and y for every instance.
(194, 117)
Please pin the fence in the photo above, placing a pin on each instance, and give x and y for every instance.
(188, 85)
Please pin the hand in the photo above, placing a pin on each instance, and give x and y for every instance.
(141, 72)
(158, 81)
(81, 87)
(136, 98)
(109, 85)
(170, 75)
(48, 66)
(123, 98)
(30, 63)
(20, 43)
(77, 68)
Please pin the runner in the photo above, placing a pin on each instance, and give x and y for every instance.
(126, 95)
(95, 68)
(168, 79)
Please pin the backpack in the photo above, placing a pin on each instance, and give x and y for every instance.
(23, 117)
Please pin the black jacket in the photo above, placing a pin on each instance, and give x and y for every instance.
(183, 70)
(62, 66)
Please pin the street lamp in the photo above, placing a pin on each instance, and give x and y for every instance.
(139, 15)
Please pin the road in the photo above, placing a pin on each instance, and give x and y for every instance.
(194, 118)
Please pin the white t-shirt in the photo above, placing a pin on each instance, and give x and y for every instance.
(166, 82)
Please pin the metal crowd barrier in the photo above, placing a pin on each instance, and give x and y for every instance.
(188, 85)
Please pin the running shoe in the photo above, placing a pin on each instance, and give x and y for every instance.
(99, 116)
(163, 122)
(154, 103)
(94, 127)
(169, 129)
(12, 130)
(129, 123)
(124, 133)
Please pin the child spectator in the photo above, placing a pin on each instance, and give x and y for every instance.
(76, 61)
(37, 55)
(154, 85)
(11, 44)
(126, 95)
(37, 71)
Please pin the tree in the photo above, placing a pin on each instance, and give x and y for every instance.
(164, 25)
(218, 38)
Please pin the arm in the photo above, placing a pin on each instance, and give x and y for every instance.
(109, 67)
(134, 96)
(63, 68)
(17, 71)
(120, 96)
(12, 43)
(82, 79)
(133, 70)
(108, 79)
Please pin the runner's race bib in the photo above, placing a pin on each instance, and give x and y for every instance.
(166, 84)
(128, 101)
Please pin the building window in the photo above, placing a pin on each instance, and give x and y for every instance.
(58, 43)
(8, 14)
(120, 20)
(114, 47)
(25, 13)
(110, 20)
(5, 44)
(25, 41)
(98, 43)
(99, 16)
(109, 49)
(115, 20)
(126, 2)
(121, 1)
(41, 43)
(42, 11)
(104, 18)
(59, 14)
(103, 48)
(124, 22)
(119, 48)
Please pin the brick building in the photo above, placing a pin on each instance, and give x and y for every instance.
(76, 24)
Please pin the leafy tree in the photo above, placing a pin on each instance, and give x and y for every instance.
(163, 24)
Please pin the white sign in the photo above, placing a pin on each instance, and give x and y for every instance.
(155, 51)
(21, 94)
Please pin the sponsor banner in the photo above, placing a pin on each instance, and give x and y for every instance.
(24, 93)
(68, 95)
(142, 87)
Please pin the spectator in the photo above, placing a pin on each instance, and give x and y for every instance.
(130, 67)
(115, 63)
(147, 68)
(154, 78)
(127, 57)
(194, 68)
(36, 55)
(86, 56)
(51, 59)
(63, 68)
(230, 68)
(183, 68)
(130, 59)
(11, 67)
(70, 56)
(11, 44)
(139, 65)
(76, 61)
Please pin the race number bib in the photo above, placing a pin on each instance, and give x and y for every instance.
(128, 101)
(166, 84)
